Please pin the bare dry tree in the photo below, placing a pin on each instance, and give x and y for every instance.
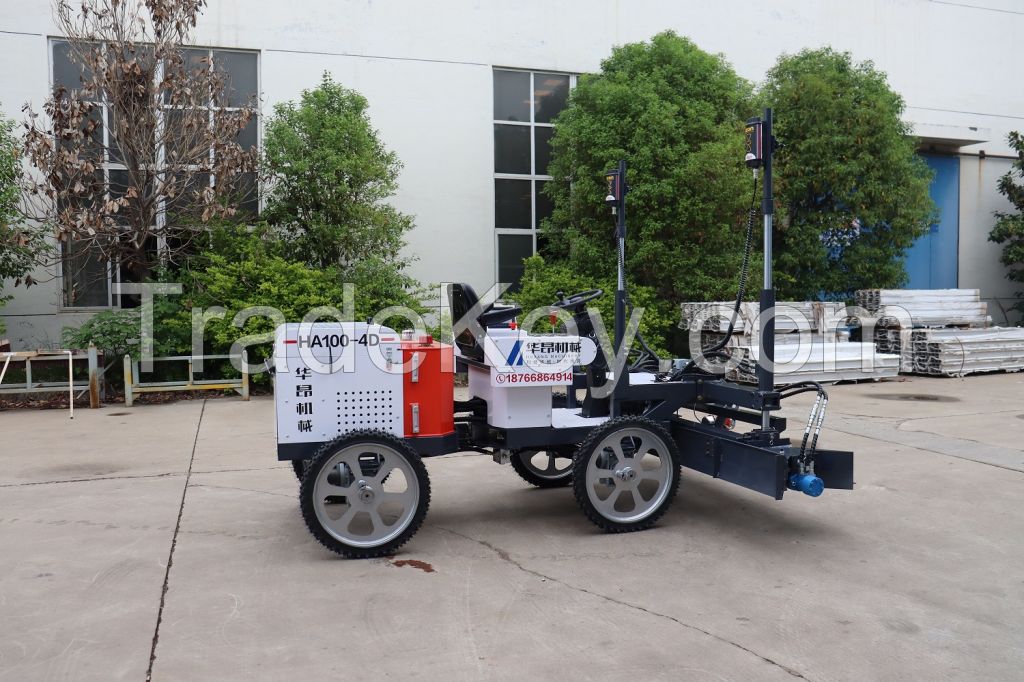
(167, 123)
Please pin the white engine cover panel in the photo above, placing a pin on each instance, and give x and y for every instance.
(511, 407)
(331, 378)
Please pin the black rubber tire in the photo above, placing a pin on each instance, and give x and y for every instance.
(531, 476)
(299, 466)
(587, 450)
(317, 463)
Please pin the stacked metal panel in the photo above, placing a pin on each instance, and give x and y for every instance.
(942, 332)
(887, 340)
(958, 352)
(896, 341)
(824, 362)
(810, 316)
(715, 315)
(925, 307)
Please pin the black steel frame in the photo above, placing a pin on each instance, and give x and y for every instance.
(760, 460)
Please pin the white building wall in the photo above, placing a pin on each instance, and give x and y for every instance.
(32, 317)
(979, 264)
(425, 68)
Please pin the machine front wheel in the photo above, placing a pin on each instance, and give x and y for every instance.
(626, 474)
(364, 494)
(544, 469)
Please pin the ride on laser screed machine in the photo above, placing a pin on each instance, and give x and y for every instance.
(359, 405)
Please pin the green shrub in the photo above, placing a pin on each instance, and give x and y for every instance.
(541, 281)
(115, 332)
(254, 275)
(234, 285)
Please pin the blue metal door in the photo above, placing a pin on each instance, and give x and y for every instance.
(932, 261)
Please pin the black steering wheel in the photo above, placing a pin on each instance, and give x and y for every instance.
(576, 302)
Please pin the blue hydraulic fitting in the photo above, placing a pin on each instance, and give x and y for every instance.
(809, 484)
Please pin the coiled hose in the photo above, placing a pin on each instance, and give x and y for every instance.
(741, 293)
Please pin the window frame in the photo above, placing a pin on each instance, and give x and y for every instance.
(113, 274)
(533, 177)
(113, 277)
(107, 165)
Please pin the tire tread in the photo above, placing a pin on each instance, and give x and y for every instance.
(581, 458)
(309, 479)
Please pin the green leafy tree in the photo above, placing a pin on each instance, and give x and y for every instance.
(675, 113)
(329, 177)
(852, 193)
(1009, 227)
(13, 261)
(18, 248)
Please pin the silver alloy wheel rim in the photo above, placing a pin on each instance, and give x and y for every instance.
(628, 470)
(550, 471)
(355, 492)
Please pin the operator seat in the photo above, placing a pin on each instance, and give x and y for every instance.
(461, 299)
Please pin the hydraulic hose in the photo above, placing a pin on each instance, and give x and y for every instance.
(741, 292)
(647, 360)
(814, 420)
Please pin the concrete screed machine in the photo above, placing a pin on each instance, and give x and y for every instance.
(359, 405)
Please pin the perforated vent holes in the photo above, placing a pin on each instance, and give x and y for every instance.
(367, 409)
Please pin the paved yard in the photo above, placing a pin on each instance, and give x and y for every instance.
(167, 540)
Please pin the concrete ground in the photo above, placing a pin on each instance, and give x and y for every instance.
(166, 540)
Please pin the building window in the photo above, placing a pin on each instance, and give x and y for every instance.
(525, 104)
(87, 276)
(512, 249)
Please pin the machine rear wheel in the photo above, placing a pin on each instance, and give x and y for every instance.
(626, 474)
(544, 469)
(364, 494)
(299, 466)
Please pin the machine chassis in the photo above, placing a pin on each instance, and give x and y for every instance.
(758, 460)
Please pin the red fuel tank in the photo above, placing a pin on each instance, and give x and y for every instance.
(428, 390)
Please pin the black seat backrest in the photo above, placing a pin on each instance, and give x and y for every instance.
(461, 300)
